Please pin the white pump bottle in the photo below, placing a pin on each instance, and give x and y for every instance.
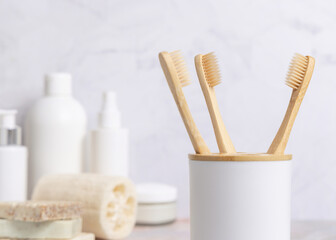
(109, 143)
(13, 159)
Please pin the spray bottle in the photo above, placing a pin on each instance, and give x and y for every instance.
(109, 142)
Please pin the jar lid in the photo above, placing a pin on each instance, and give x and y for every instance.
(156, 193)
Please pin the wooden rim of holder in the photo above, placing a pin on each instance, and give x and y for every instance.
(240, 157)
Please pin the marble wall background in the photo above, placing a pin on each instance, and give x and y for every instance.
(113, 45)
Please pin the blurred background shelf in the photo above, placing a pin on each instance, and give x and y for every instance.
(301, 230)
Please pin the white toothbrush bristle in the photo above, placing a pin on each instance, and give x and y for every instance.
(297, 71)
(181, 68)
(211, 69)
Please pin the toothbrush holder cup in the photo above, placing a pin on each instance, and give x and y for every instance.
(240, 196)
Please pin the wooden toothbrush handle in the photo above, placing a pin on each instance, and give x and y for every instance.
(280, 141)
(224, 142)
(193, 132)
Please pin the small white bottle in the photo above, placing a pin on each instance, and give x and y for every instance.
(55, 130)
(13, 159)
(109, 143)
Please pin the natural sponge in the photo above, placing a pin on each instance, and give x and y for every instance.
(109, 203)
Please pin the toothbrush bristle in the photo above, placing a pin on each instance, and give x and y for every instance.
(297, 71)
(180, 67)
(211, 69)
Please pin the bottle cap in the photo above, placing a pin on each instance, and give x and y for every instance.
(58, 84)
(156, 193)
(109, 116)
(10, 133)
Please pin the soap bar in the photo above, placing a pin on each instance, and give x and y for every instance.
(84, 236)
(81, 236)
(39, 211)
(59, 229)
(109, 202)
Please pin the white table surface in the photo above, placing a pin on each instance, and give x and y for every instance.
(301, 230)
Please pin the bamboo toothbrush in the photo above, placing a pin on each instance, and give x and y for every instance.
(177, 76)
(209, 76)
(298, 78)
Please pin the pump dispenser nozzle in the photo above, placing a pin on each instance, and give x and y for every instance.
(10, 133)
(109, 116)
(7, 118)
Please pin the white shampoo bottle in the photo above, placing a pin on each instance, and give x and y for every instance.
(55, 131)
(13, 159)
(109, 143)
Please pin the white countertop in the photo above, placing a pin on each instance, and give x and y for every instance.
(301, 230)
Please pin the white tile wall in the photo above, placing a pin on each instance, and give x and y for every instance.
(113, 45)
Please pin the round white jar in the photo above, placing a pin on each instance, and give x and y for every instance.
(156, 203)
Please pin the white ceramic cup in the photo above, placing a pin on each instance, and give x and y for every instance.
(244, 199)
